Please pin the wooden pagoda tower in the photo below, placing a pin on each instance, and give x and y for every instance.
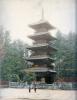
(42, 52)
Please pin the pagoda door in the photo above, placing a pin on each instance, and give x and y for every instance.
(49, 78)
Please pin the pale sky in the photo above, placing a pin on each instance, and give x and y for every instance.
(16, 15)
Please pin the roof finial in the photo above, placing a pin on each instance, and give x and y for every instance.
(42, 9)
(42, 16)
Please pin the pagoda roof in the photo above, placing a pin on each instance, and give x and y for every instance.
(42, 24)
(43, 46)
(43, 36)
(39, 69)
(40, 58)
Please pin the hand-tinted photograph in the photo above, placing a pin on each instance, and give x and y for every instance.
(38, 50)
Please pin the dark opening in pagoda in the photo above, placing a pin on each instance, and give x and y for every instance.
(46, 77)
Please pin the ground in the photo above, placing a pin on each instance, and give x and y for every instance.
(41, 94)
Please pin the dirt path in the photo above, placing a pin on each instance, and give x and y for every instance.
(23, 94)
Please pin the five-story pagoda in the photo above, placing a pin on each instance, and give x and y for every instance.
(41, 52)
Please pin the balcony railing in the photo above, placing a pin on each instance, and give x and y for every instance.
(34, 56)
(40, 33)
(39, 56)
(43, 45)
(39, 44)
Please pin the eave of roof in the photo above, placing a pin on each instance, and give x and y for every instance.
(42, 24)
(42, 35)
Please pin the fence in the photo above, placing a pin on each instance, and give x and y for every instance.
(4, 84)
(59, 85)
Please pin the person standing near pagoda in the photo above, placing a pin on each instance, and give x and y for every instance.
(29, 84)
(34, 86)
(29, 88)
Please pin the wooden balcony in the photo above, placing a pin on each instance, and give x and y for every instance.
(40, 69)
(38, 45)
(40, 59)
(42, 46)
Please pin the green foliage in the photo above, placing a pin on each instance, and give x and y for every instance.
(13, 61)
(29, 77)
(65, 55)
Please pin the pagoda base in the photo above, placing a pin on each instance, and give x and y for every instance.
(43, 75)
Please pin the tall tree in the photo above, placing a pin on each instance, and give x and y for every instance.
(2, 42)
(66, 55)
(14, 61)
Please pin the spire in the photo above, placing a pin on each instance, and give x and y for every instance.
(42, 15)
(42, 9)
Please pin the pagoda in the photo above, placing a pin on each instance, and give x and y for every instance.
(42, 52)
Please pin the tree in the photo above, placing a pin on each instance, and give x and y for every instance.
(14, 61)
(66, 55)
(2, 48)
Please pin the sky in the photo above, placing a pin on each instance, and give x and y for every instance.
(17, 15)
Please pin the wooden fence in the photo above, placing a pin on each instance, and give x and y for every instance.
(59, 85)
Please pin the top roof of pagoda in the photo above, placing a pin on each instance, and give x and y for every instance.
(42, 24)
